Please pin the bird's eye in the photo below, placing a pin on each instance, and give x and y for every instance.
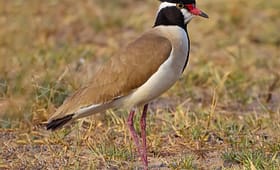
(180, 5)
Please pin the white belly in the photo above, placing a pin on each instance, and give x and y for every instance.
(167, 74)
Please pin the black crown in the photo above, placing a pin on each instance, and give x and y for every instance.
(180, 1)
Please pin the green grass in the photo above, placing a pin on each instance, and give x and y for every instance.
(223, 113)
(252, 159)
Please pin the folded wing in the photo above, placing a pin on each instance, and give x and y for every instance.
(126, 71)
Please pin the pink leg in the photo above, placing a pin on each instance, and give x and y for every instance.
(132, 131)
(143, 136)
(142, 151)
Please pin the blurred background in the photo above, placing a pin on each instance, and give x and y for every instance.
(225, 104)
(50, 48)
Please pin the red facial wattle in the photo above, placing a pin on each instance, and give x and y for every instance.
(195, 11)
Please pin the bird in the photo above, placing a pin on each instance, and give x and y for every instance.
(140, 72)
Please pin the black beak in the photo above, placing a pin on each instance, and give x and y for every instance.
(203, 14)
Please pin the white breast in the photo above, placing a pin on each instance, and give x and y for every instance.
(167, 74)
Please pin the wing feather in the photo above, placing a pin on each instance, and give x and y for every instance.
(126, 71)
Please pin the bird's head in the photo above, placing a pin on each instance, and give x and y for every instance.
(177, 12)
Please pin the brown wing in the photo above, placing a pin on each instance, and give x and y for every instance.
(126, 71)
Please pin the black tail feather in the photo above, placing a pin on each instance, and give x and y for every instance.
(57, 123)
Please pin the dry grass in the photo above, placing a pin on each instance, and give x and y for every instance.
(224, 113)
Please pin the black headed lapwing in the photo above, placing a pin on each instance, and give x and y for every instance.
(137, 74)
